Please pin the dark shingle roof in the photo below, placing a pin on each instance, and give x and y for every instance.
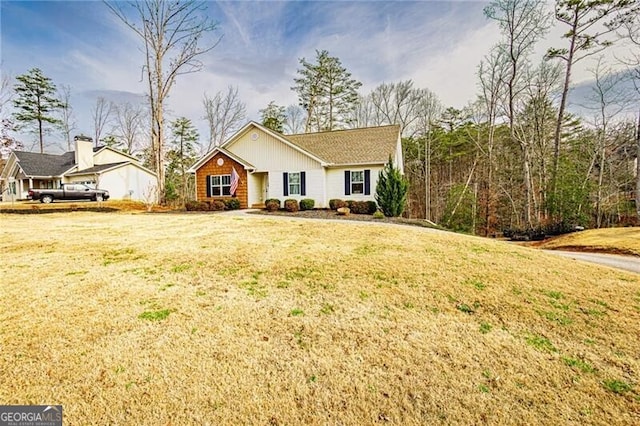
(356, 146)
(35, 164)
(97, 169)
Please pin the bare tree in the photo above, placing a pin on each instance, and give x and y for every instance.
(174, 35)
(363, 114)
(534, 128)
(397, 103)
(523, 23)
(414, 110)
(607, 100)
(102, 114)
(632, 28)
(590, 23)
(491, 72)
(295, 120)
(67, 116)
(129, 125)
(7, 142)
(225, 113)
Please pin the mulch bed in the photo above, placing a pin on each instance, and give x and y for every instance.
(331, 214)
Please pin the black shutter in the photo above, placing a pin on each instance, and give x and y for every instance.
(208, 186)
(367, 182)
(285, 184)
(303, 183)
(347, 182)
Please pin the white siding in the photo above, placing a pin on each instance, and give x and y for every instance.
(314, 180)
(335, 183)
(127, 182)
(106, 156)
(268, 153)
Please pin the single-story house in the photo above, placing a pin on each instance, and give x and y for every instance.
(258, 163)
(106, 168)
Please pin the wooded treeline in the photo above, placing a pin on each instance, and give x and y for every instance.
(516, 158)
(523, 155)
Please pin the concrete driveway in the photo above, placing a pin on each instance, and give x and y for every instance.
(628, 263)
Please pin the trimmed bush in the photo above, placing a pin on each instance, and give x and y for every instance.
(372, 207)
(272, 204)
(361, 207)
(216, 205)
(378, 215)
(307, 204)
(291, 205)
(196, 206)
(231, 204)
(336, 203)
(190, 205)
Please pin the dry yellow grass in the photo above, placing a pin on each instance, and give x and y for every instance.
(611, 240)
(211, 319)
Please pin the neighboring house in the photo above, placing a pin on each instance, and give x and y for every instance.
(341, 164)
(104, 167)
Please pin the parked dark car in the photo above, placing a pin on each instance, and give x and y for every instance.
(69, 191)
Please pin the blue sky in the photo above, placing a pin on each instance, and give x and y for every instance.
(438, 44)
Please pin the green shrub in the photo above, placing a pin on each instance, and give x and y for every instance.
(372, 207)
(336, 203)
(307, 204)
(291, 205)
(378, 215)
(231, 204)
(391, 190)
(272, 204)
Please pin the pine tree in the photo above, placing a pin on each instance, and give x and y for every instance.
(327, 92)
(391, 190)
(36, 102)
(185, 136)
(273, 117)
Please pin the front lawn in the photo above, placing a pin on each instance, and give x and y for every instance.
(214, 319)
(607, 240)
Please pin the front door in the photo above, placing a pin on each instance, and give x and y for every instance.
(265, 187)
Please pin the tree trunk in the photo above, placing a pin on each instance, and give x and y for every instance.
(41, 137)
(526, 165)
(601, 154)
(183, 190)
(427, 178)
(563, 105)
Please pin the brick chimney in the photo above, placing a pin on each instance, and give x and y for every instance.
(84, 152)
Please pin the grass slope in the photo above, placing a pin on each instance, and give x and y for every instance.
(213, 319)
(608, 240)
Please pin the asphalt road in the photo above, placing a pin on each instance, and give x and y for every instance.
(628, 263)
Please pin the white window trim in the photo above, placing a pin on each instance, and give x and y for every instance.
(352, 182)
(293, 185)
(220, 186)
